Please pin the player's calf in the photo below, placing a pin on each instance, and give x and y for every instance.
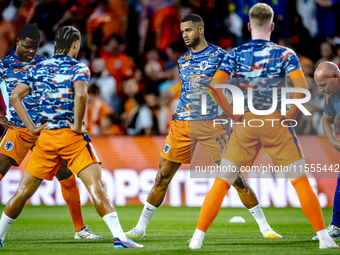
(91, 176)
(166, 172)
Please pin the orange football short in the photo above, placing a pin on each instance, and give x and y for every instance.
(15, 143)
(54, 146)
(180, 144)
(281, 143)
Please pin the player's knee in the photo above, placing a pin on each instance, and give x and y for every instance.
(97, 190)
(24, 193)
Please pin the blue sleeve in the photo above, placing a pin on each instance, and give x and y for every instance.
(290, 61)
(328, 107)
(221, 54)
(228, 63)
(81, 73)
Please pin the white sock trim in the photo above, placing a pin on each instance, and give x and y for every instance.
(150, 206)
(146, 216)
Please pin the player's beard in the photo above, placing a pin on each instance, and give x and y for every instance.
(194, 43)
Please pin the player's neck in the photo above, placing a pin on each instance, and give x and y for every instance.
(200, 46)
(259, 35)
(69, 54)
(15, 54)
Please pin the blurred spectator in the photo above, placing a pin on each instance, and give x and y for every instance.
(242, 10)
(96, 111)
(146, 35)
(46, 15)
(117, 62)
(10, 12)
(168, 101)
(106, 82)
(46, 48)
(327, 13)
(166, 26)
(154, 71)
(139, 121)
(77, 14)
(227, 24)
(327, 54)
(111, 125)
(307, 9)
(281, 19)
(174, 52)
(130, 90)
(7, 34)
(109, 18)
(152, 100)
(26, 13)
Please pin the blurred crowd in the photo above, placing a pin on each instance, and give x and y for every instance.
(132, 48)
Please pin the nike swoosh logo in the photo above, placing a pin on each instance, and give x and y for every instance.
(148, 209)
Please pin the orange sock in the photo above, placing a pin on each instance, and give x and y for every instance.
(71, 195)
(212, 204)
(1, 177)
(310, 205)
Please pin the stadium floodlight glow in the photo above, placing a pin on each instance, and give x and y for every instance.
(238, 100)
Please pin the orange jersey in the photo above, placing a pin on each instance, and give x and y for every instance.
(119, 66)
(94, 115)
(111, 20)
(167, 21)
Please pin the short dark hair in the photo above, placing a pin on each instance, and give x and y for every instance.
(139, 98)
(94, 90)
(64, 38)
(30, 31)
(118, 38)
(194, 18)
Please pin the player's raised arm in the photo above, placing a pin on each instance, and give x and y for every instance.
(79, 106)
(18, 94)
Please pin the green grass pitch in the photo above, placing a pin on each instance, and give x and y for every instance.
(49, 230)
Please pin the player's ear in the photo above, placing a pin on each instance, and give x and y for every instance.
(17, 41)
(201, 30)
(272, 26)
(249, 26)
